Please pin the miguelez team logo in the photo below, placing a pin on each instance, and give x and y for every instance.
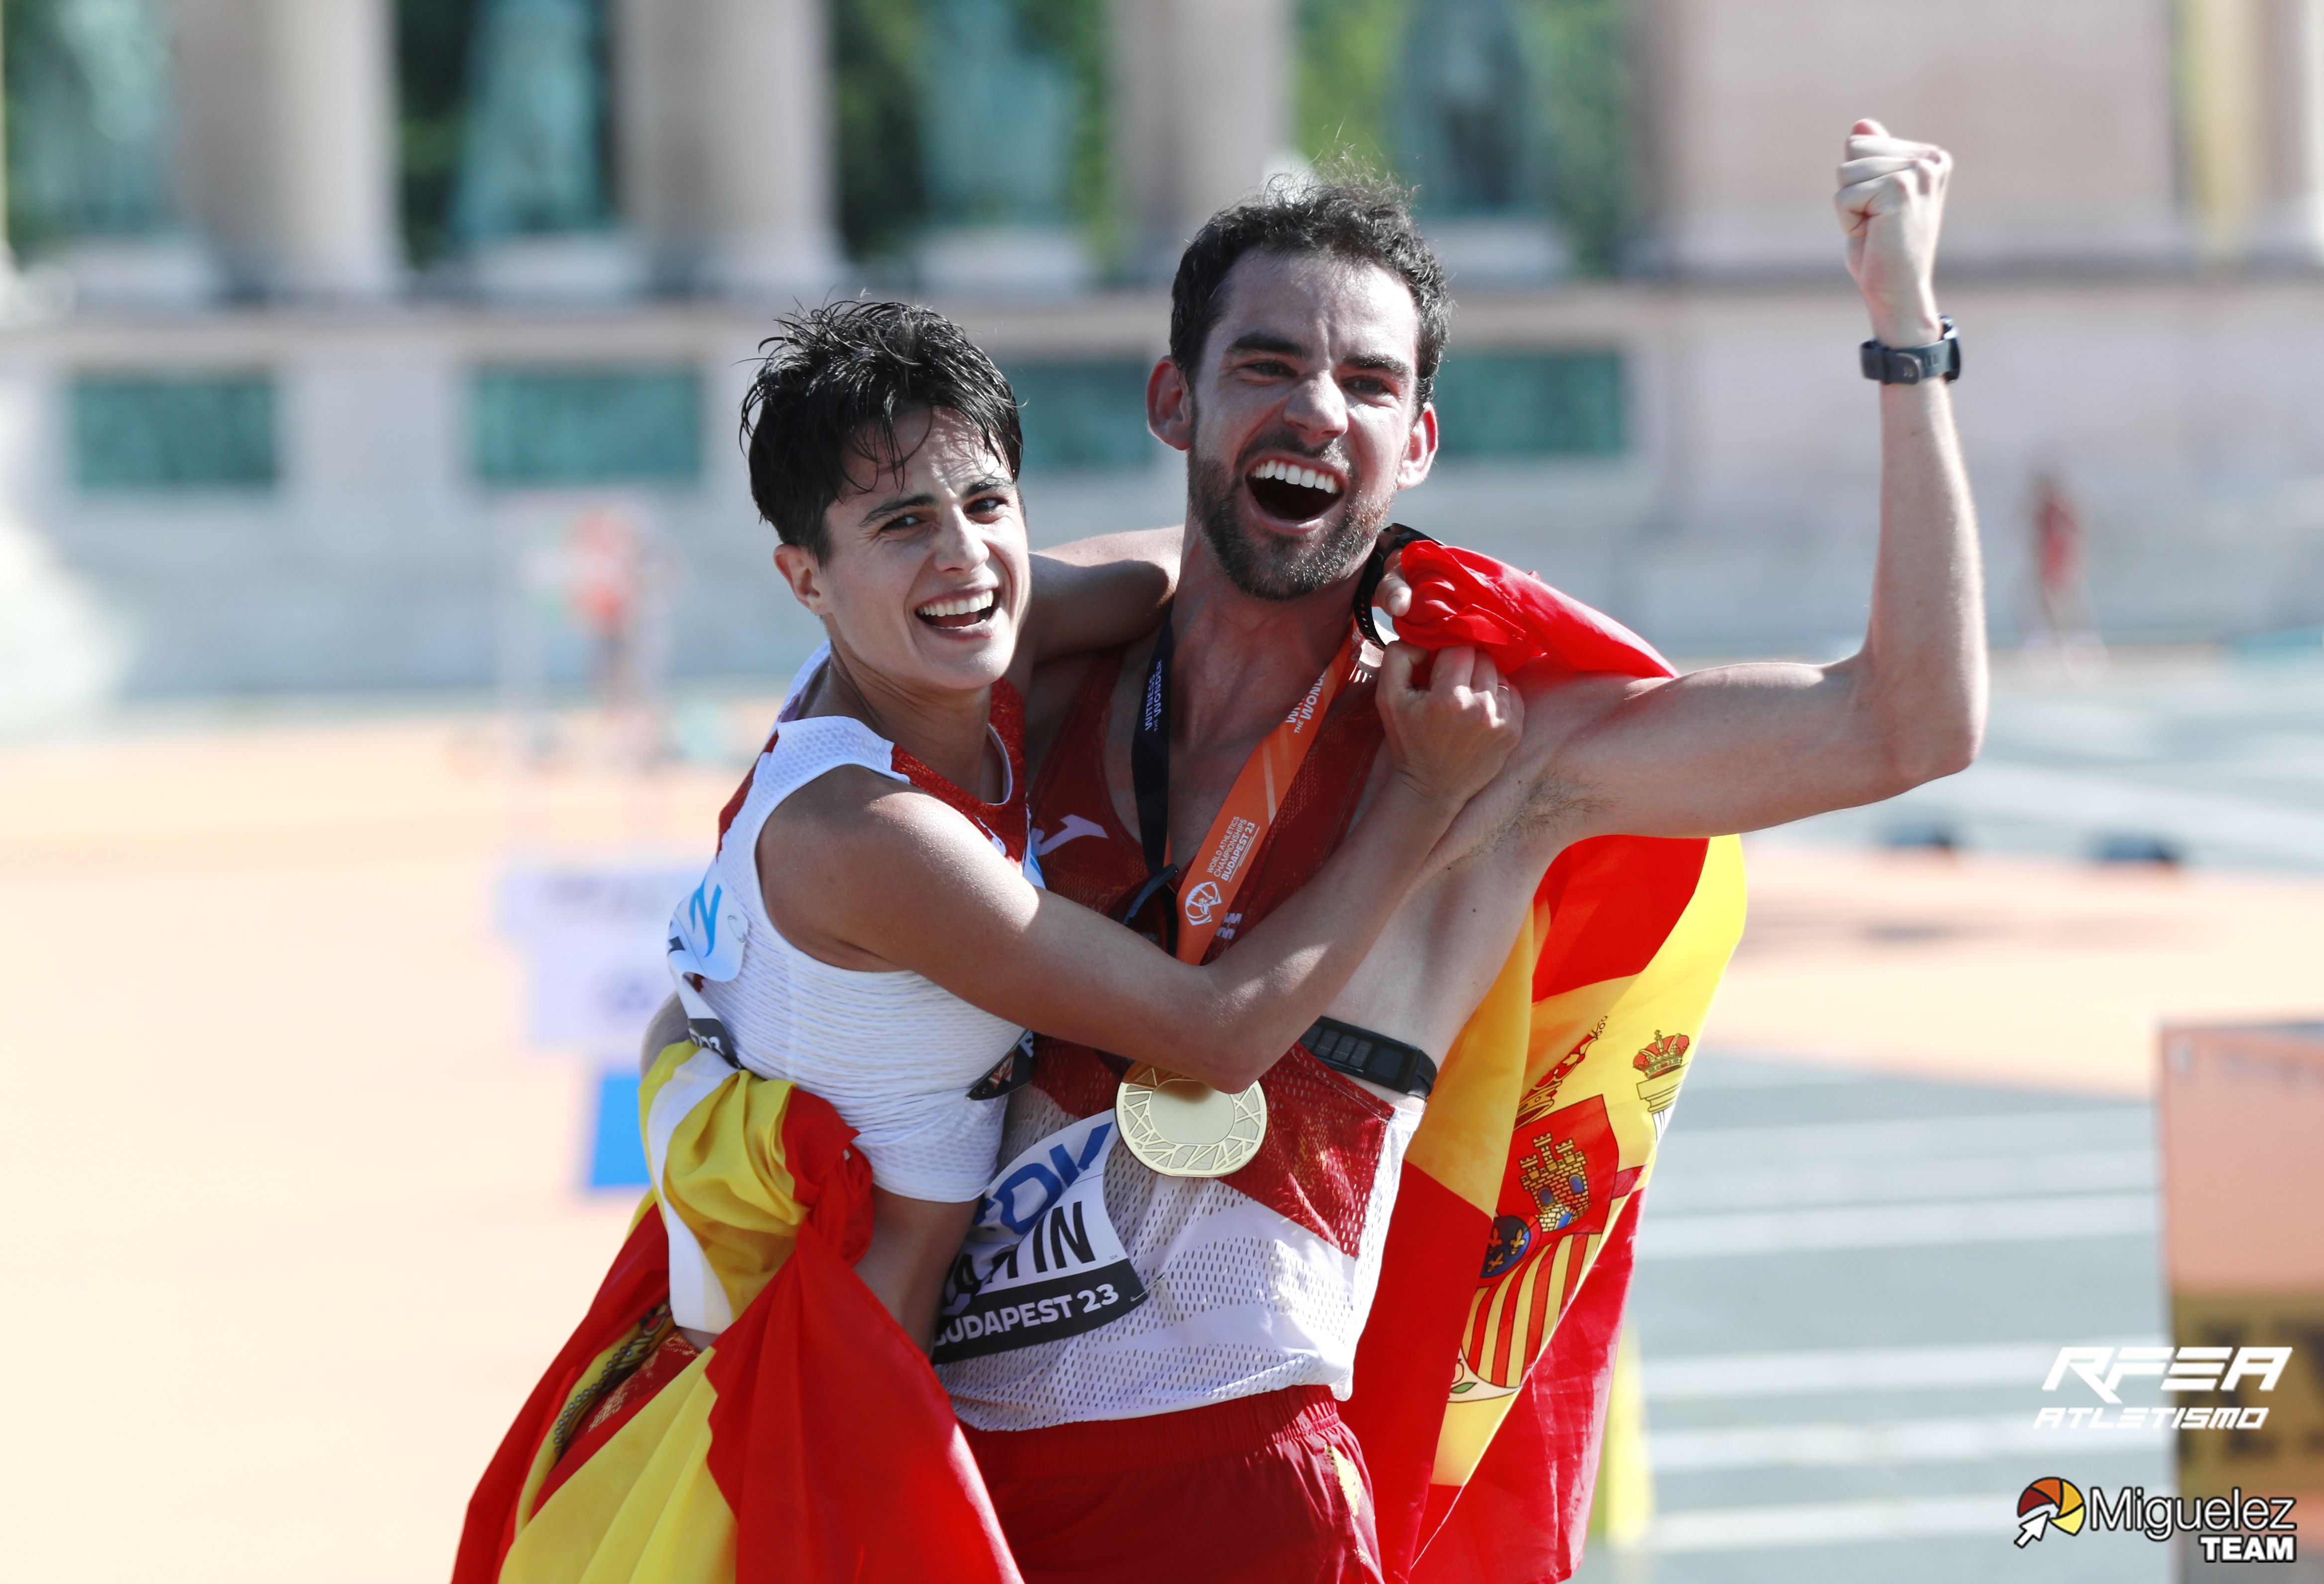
(2231, 1528)
(2046, 1505)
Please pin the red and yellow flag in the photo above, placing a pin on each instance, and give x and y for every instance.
(1481, 1381)
(810, 1445)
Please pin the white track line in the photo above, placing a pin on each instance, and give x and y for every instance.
(1752, 1071)
(1896, 1226)
(2274, 828)
(1834, 1523)
(1950, 1137)
(1677, 1188)
(1884, 1444)
(1971, 1366)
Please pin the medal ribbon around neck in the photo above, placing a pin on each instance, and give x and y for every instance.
(1208, 887)
(1175, 1125)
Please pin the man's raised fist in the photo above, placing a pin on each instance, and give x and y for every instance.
(1892, 201)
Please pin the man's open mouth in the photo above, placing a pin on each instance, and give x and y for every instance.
(962, 609)
(1292, 493)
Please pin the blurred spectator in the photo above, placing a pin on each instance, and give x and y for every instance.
(604, 576)
(616, 583)
(2058, 634)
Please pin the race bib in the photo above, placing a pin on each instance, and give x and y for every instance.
(1041, 1261)
(707, 930)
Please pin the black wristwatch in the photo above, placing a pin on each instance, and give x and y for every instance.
(1909, 365)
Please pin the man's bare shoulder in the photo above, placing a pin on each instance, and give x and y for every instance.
(1542, 796)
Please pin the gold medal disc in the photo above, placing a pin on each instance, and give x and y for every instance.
(1183, 1128)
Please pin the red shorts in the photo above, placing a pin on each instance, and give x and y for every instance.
(1269, 1489)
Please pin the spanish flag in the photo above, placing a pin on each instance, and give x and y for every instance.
(1481, 1382)
(811, 1444)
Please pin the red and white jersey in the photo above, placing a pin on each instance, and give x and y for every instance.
(893, 1052)
(1252, 1282)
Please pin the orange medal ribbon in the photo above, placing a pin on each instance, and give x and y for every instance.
(1175, 1125)
(1207, 891)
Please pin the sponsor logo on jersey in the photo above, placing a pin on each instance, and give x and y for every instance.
(1042, 1261)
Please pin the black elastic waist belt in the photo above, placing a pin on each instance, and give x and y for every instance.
(1373, 1057)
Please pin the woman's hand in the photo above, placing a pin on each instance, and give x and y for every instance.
(1449, 735)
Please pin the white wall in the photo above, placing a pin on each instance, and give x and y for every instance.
(2059, 113)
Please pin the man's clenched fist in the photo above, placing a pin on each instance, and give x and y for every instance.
(1892, 200)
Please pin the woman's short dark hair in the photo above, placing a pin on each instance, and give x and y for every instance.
(1362, 219)
(832, 383)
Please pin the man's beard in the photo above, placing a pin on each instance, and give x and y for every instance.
(1267, 567)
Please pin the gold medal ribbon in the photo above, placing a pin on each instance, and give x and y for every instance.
(1207, 892)
(1178, 1126)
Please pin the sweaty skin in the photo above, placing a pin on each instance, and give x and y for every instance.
(1312, 363)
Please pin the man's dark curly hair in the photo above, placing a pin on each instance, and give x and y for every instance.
(1362, 219)
(832, 383)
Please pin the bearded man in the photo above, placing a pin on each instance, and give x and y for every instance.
(1253, 1413)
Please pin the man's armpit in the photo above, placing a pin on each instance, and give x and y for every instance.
(1566, 717)
(1517, 816)
(1554, 806)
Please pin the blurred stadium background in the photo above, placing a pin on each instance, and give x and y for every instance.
(319, 301)
(377, 580)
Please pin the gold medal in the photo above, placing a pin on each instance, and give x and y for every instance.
(1183, 1128)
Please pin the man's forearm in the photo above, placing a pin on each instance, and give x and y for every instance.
(1918, 687)
(1923, 667)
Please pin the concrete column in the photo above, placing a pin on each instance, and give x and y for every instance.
(2220, 120)
(2288, 219)
(1202, 112)
(1144, 130)
(2251, 125)
(766, 114)
(1235, 90)
(221, 134)
(331, 147)
(659, 131)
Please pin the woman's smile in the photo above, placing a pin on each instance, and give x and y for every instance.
(970, 610)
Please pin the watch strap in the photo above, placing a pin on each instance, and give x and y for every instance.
(1910, 365)
(1377, 1059)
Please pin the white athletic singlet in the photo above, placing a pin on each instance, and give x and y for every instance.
(1239, 1298)
(894, 1053)
(1134, 1293)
